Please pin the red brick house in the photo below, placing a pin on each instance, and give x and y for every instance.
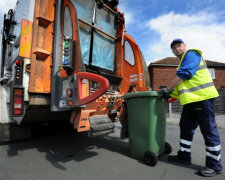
(162, 71)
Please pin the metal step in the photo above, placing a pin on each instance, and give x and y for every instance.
(100, 125)
(94, 134)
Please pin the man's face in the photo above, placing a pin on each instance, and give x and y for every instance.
(179, 49)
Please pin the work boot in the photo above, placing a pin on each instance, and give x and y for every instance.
(176, 159)
(208, 172)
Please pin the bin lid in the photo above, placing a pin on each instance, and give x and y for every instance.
(143, 94)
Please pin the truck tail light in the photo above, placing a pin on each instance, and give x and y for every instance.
(19, 62)
(17, 105)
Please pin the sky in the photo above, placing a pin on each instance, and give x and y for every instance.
(155, 23)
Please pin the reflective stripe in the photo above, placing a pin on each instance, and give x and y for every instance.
(185, 142)
(215, 148)
(202, 67)
(213, 156)
(185, 149)
(196, 88)
(203, 61)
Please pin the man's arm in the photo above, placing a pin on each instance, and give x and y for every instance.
(176, 81)
(189, 65)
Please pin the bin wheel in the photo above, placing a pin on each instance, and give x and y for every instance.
(150, 158)
(168, 148)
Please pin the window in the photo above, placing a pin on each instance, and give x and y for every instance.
(129, 54)
(98, 49)
(104, 47)
(85, 11)
(67, 27)
(212, 73)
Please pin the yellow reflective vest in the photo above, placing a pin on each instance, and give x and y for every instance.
(200, 87)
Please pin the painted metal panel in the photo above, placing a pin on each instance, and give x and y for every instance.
(25, 39)
(42, 40)
(24, 10)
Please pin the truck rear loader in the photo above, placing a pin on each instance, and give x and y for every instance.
(67, 60)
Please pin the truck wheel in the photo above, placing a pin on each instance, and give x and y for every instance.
(168, 148)
(150, 158)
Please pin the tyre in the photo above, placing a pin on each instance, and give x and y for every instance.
(150, 158)
(168, 148)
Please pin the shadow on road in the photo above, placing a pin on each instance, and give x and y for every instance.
(60, 145)
(163, 158)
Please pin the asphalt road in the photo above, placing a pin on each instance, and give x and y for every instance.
(59, 154)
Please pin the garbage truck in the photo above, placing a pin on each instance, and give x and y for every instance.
(66, 60)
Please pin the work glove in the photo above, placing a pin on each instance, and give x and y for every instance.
(166, 93)
(164, 90)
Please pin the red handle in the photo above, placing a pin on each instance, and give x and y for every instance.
(171, 100)
(103, 87)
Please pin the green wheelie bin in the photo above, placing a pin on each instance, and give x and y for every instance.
(147, 125)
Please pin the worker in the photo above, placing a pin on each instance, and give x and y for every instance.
(194, 87)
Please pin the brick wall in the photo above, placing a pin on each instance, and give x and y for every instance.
(219, 82)
(162, 76)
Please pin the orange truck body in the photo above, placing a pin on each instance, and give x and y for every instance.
(40, 54)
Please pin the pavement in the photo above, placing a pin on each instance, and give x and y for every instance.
(174, 119)
(64, 155)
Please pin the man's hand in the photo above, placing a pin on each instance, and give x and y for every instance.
(166, 93)
(164, 90)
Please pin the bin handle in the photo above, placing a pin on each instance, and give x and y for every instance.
(170, 100)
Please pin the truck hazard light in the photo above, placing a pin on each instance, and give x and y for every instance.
(68, 53)
(19, 72)
(17, 103)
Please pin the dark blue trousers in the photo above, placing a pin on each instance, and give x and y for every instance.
(200, 113)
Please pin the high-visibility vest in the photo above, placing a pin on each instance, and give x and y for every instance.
(200, 87)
